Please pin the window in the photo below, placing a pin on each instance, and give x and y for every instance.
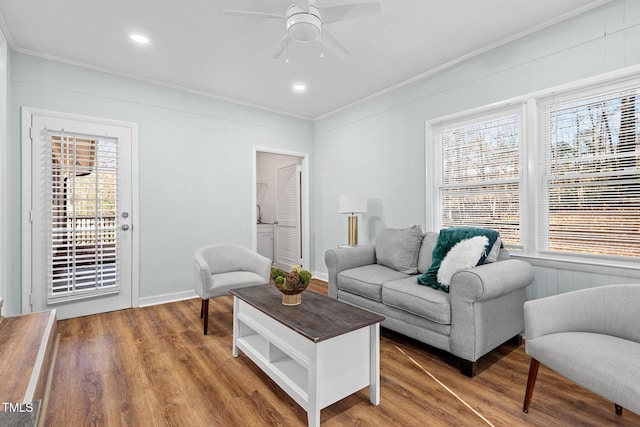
(568, 186)
(478, 173)
(591, 179)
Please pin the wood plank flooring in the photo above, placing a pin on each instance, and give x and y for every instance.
(153, 366)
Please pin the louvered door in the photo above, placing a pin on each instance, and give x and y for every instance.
(287, 228)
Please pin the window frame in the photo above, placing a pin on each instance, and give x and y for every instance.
(545, 106)
(434, 145)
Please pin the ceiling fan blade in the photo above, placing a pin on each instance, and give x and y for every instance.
(302, 4)
(281, 46)
(340, 13)
(329, 41)
(254, 14)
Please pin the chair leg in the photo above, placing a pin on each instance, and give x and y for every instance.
(618, 409)
(531, 382)
(202, 309)
(205, 311)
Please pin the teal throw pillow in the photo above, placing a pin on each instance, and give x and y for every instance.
(447, 239)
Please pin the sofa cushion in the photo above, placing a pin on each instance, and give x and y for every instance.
(426, 248)
(398, 248)
(407, 295)
(367, 280)
(223, 282)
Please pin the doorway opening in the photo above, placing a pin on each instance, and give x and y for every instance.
(79, 206)
(280, 225)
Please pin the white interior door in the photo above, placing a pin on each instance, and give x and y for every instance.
(79, 233)
(287, 227)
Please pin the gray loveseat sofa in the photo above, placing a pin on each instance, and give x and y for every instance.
(482, 310)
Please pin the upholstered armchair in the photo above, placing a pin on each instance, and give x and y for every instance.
(591, 337)
(219, 268)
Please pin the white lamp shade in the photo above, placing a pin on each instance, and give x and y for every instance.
(352, 203)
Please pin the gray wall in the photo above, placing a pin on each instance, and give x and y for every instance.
(377, 146)
(195, 163)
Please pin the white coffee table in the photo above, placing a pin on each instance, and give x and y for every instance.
(318, 352)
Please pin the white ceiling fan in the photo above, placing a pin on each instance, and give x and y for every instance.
(306, 22)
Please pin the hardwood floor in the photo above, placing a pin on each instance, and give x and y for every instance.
(153, 366)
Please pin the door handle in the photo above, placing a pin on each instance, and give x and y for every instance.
(125, 227)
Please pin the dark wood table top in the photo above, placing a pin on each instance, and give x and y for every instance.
(317, 318)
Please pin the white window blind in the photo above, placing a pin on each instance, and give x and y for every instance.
(478, 174)
(591, 182)
(82, 192)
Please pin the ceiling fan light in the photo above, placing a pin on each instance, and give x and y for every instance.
(304, 32)
(303, 26)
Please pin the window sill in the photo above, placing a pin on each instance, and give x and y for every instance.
(610, 267)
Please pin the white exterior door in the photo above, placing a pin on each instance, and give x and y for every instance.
(79, 226)
(287, 227)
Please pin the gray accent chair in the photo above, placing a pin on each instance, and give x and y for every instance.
(591, 337)
(220, 268)
(482, 310)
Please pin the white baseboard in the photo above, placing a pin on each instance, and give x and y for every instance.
(163, 299)
(321, 276)
(181, 296)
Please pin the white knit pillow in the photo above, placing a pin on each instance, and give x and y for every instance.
(465, 254)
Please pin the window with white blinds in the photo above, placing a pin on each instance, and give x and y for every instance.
(578, 196)
(82, 192)
(590, 191)
(477, 173)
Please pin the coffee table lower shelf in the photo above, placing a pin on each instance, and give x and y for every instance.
(314, 374)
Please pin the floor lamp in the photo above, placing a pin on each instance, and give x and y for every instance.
(353, 204)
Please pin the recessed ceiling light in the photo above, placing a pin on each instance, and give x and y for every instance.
(139, 38)
(299, 88)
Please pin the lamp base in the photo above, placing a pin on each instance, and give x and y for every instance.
(353, 230)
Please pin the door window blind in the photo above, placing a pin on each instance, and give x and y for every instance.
(82, 192)
(591, 180)
(478, 174)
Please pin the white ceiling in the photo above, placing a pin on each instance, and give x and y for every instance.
(196, 47)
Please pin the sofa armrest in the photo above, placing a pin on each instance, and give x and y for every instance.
(341, 259)
(487, 306)
(489, 281)
(259, 264)
(201, 275)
